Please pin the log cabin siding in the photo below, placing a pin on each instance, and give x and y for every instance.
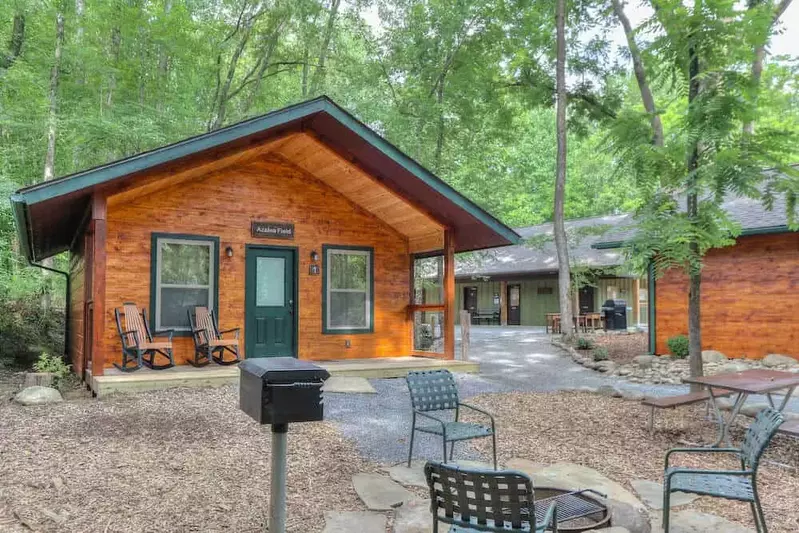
(78, 284)
(223, 204)
(749, 299)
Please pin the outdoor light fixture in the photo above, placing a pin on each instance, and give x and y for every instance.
(314, 256)
(229, 251)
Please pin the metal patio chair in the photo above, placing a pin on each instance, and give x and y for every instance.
(208, 342)
(436, 391)
(138, 344)
(738, 485)
(473, 500)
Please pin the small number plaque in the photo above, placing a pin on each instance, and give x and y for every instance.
(272, 230)
(313, 270)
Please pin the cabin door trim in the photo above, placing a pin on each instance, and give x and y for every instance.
(249, 295)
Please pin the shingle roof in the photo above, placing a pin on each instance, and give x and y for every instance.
(537, 253)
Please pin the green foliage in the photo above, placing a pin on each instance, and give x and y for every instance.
(584, 343)
(678, 346)
(26, 331)
(600, 353)
(54, 365)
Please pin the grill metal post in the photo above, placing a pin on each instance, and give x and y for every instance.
(277, 492)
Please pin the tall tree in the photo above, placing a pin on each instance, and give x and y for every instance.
(559, 227)
(14, 43)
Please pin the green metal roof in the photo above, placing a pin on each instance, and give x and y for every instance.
(43, 234)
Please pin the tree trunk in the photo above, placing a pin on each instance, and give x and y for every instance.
(440, 126)
(14, 43)
(760, 54)
(319, 73)
(116, 41)
(163, 64)
(52, 130)
(694, 270)
(561, 243)
(640, 75)
(220, 107)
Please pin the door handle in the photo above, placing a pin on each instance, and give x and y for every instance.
(291, 307)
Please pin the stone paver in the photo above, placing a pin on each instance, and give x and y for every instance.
(633, 519)
(354, 521)
(410, 477)
(415, 517)
(349, 385)
(695, 522)
(380, 493)
(651, 494)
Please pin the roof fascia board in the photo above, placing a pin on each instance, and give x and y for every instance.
(747, 232)
(19, 209)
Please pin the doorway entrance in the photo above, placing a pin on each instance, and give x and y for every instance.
(270, 301)
(514, 305)
(586, 300)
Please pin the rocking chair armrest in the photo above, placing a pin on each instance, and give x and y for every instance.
(169, 333)
(699, 450)
(231, 330)
(550, 518)
(431, 417)
(742, 473)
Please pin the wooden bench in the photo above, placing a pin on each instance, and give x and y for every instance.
(790, 428)
(489, 315)
(671, 402)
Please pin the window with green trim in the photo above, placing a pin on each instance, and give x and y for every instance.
(184, 275)
(348, 289)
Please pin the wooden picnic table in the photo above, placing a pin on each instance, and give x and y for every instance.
(743, 384)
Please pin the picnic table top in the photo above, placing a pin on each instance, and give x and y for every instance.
(754, 381)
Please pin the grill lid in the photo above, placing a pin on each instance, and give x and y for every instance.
(284, 370)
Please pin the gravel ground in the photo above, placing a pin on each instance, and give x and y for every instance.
(176, 460)
(610, 436)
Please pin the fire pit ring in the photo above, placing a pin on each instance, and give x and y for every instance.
(586, 507)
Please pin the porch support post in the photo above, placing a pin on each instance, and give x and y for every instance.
(503, 303)
(98, 222)
(449, 295)
(636, 302)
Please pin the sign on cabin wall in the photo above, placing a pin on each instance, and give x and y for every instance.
(272, 230)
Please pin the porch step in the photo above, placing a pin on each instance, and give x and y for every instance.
(114, 381)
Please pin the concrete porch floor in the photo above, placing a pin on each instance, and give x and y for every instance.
(113, 381)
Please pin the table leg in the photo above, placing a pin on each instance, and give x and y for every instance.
(724, 425)
(787, 397)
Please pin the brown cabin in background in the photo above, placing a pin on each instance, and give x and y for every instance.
(303, 227)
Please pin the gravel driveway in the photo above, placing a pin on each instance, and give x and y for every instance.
(511, 359)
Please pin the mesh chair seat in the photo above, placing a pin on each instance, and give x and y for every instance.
(461, 529)
(720, 485)
(457, 430)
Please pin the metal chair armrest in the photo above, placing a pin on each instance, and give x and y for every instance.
(699, 450)
(477, 409)
(550, 519)
(431, 417)
(708, 472)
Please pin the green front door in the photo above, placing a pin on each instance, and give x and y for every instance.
(270, 307)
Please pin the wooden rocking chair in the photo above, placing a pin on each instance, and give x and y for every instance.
(138, 345)
(208, 342)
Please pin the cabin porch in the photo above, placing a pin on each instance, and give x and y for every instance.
(113, 381)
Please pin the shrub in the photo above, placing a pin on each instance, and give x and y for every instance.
(26, 331)
(584, 343)
(600, 353)
(678, 346)
(54, 365)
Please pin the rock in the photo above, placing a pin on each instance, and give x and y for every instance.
(413, 517)
(360, 521)
(695, 522)
(379, 493)
(609, 390)
(733, 367)
(410, 477)
(644, 361)
(651, 494)
(713, 356)
(38, 396)
(590, 364)
(625, 371)
(775, 359)
(477, 465)
(789, 416)
(573, 476)
(58, 483)
(633, 396)
(349, 385)
(38, 379)
(752, 409)
(612, 529)
(633, 519)
(606, 366)
(725, 404)
(523, 465)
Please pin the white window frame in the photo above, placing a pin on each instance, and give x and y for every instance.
(159, 241)
(329, 251)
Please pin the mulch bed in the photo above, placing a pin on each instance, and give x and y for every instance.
(623, 347)
(175, 460)
(610, 435)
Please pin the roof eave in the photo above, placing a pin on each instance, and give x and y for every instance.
(19, 209)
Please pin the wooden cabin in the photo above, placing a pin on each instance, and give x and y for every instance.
(302, 227)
